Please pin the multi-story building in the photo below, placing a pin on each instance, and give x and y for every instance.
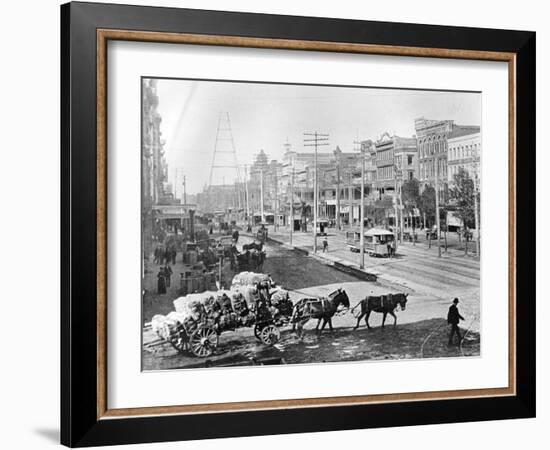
(368, 150)
(338, 180)
(406, 162)
(464, 151)
(154, 167)
(432, 142)
(394, 152)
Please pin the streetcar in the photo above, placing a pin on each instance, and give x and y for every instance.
(376, 241)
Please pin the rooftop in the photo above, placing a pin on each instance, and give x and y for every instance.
(463, 130)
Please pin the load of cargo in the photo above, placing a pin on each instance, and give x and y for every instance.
(251, 279)
(199, 318)
(251, 258)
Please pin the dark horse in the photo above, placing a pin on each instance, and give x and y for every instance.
(384, 304)
(322, 309)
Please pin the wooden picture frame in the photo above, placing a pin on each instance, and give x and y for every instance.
(85, 417)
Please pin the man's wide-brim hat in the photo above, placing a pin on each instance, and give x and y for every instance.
(455, 300)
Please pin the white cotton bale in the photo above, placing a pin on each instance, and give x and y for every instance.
(166, 326)
(250, 279)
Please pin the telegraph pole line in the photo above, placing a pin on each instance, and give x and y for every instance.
(315, 140)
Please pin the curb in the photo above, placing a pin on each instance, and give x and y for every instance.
(341, 266)
(356, 271)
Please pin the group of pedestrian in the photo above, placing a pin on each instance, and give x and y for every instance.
(164, 278)
(165, 255)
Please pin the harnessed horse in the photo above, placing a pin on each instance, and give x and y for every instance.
(322, 309)
(384, 304)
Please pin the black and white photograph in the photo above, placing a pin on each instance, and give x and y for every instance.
(292, 223)
(275, 225)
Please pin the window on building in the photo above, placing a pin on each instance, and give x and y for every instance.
(409, 159)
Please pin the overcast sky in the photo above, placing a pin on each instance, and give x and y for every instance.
(264, 116)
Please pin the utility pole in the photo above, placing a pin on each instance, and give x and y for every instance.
(184, 190)
(246, 193)
(262, 194)
(394, 201)
(315, 140)
(362, 211)
(476, 213)
(291, 204)
(362, 228)
(401, 206)
(276, 217)
(395, 210)
(338, 194)
(350, 199)
(437, 220)
(398, 177)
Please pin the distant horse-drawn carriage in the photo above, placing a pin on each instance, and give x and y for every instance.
(251, 258)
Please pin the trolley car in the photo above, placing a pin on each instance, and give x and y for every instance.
(376, 241)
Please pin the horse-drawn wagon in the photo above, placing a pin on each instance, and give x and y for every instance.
(274, 304)
(251, 258)
(199, 319)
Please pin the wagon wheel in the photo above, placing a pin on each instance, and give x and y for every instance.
(270, 334)
(179, 342)
(257, 331)
(203, 341)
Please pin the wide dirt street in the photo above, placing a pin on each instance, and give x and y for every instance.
(421, 331)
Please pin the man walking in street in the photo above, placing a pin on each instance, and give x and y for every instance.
(453, 318)
(325, 245)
